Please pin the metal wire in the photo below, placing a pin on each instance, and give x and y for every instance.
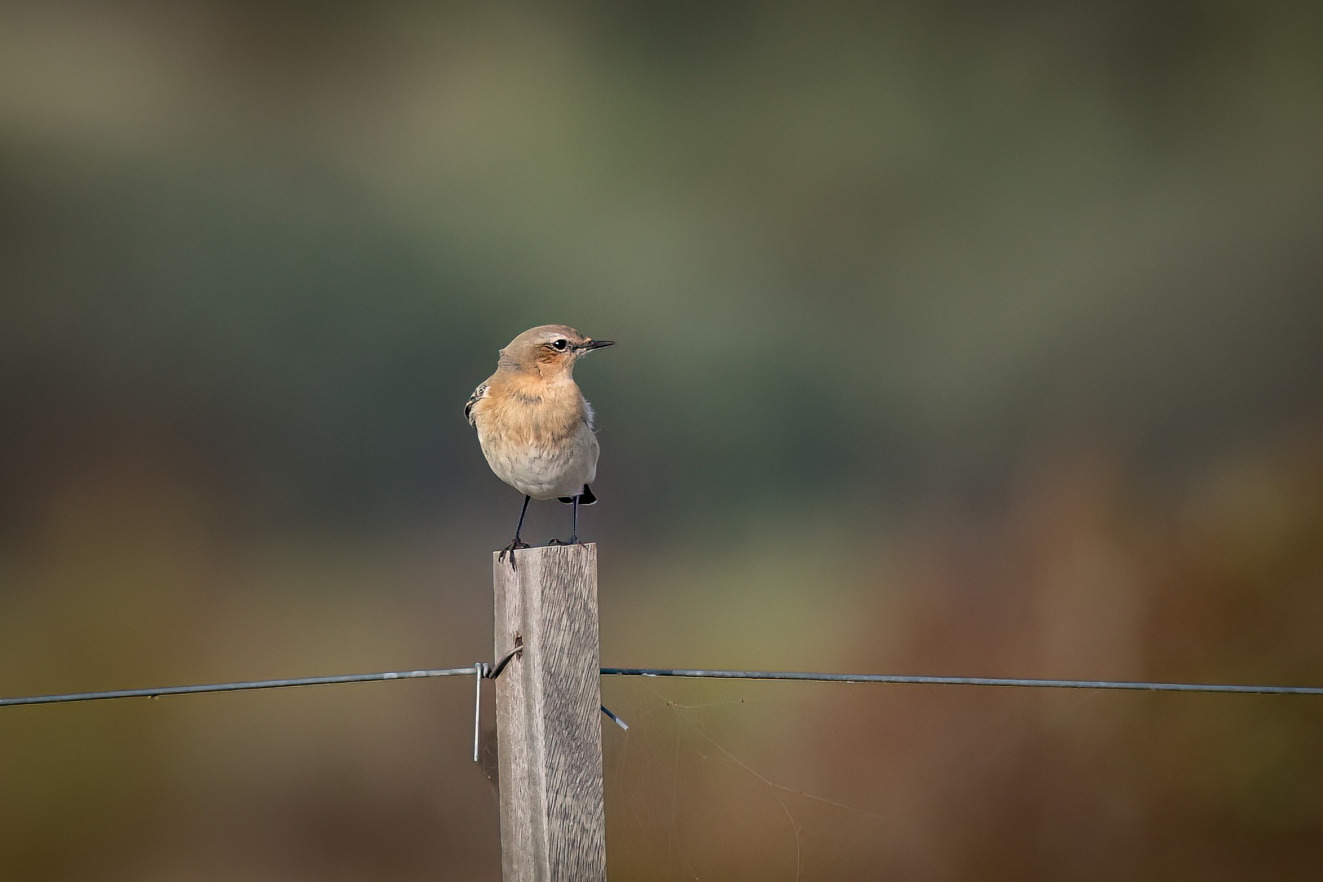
(235, 687)
(962, 681)
(677, 672)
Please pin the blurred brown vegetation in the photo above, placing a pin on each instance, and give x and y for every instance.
(955, 339)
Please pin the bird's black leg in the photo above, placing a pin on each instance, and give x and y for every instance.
(516, 543)
(574, 530)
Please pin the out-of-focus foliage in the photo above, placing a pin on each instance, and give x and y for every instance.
(954, 338)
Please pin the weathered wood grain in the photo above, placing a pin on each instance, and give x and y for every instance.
(553, 821)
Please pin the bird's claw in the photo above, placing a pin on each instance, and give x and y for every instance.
(573, 540)
(510, 550)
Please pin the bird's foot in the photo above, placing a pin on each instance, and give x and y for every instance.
(510, 550)
(573, 540)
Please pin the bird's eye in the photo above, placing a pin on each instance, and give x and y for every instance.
(560, 344)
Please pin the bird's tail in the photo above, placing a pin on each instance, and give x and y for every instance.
(585, 498)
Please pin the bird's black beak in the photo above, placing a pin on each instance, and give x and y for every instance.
(590, 345)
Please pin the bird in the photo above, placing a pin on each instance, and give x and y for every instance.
(534, 425)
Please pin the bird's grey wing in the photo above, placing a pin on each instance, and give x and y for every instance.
(478, 394)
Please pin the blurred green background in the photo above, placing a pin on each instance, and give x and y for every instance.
(955, 338)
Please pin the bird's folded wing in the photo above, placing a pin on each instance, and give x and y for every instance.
(478, 394)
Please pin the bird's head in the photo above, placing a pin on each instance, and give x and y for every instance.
(549, 350)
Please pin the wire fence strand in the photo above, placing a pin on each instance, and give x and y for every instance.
(694, 673)
(237, 687)
(963, 681)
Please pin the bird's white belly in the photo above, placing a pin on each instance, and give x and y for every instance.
(545, 472)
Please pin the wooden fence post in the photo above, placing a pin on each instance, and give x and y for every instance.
(549, 735)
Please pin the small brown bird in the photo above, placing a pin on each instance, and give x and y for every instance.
(534, 426)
